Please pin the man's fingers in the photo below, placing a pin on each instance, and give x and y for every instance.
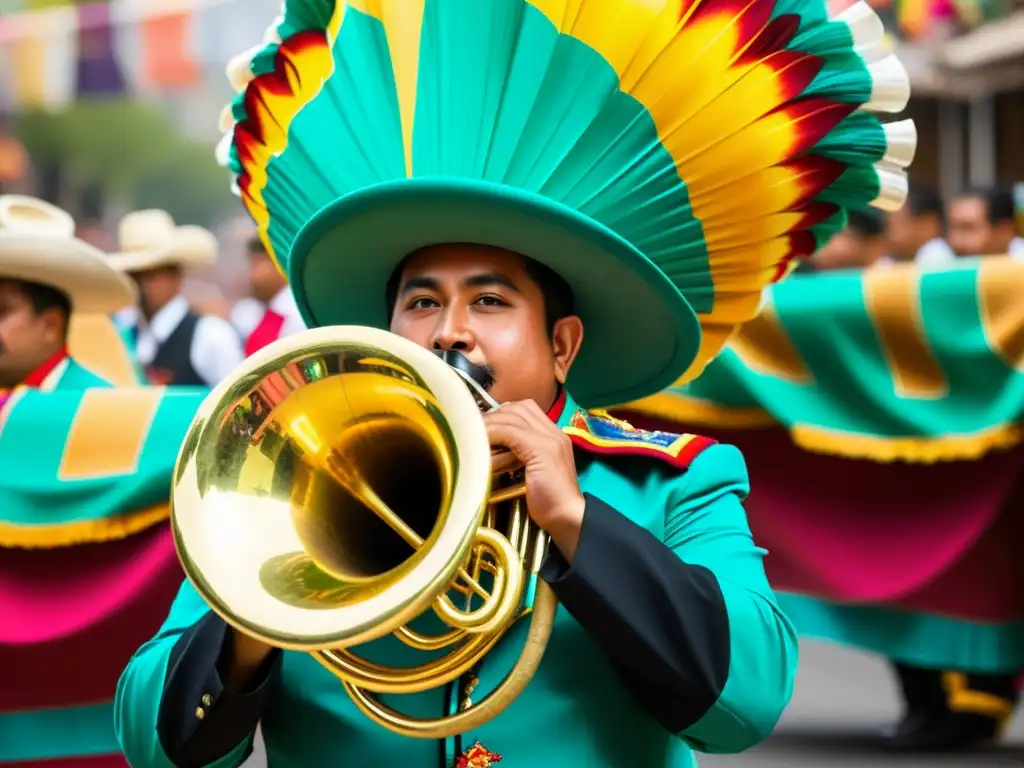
(504, 461)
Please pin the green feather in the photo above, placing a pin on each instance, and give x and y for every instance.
(844, 79)
(855, 188)
(857, 140)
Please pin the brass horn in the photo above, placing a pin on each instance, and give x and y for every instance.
(339, 487)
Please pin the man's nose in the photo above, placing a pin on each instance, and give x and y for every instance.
(454, 333)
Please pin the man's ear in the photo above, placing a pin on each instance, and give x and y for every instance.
(566, 340)
(55, 326)
(1005, 231)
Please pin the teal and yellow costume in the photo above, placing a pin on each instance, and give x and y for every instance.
(886, 449)
(670, 160)
(82, 559)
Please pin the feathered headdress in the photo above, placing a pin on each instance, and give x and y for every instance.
(669, 158)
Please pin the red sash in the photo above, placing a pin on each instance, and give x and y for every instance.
(265, 333)
(38, 376)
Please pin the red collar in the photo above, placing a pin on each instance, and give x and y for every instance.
(555, 412)
(38, 376)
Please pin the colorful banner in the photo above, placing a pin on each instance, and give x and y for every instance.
(913, 550)
(99, 73)
(891, 364)
(88, 567)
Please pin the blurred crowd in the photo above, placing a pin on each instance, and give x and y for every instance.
(928, 231)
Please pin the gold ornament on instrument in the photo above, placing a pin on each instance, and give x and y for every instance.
(339, 486)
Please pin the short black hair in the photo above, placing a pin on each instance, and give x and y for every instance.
(255, 245)
(922, 201)
(865, 224)
(999, 205)
(45, 297)
(559, 301)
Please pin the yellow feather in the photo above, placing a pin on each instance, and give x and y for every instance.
(403, 22)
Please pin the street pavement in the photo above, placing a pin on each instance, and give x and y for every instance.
(842, 699)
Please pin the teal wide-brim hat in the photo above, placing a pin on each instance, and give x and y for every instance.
(669, 159)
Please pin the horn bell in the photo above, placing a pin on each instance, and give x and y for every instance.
(331, 490)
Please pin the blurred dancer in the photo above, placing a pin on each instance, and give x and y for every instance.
(981, 222)
(174, 344)
(270, 313)
(955, 709)
(915, 232)
(860, 244)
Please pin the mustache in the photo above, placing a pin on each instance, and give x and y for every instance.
(481, 373)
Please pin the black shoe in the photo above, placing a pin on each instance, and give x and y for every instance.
(942, 732)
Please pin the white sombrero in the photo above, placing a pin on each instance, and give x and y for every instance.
(38, 245)
(150, 239)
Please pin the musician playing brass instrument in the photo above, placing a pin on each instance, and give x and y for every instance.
(573, 205)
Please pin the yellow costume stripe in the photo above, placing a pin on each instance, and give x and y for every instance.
(918, 450)
(95, 344)
(1001, 310)
(110, 528)
(683, 410)
(108, 433)
(764, 346)
(893, 302)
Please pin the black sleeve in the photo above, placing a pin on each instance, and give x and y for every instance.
(661, 621)
(200, 721)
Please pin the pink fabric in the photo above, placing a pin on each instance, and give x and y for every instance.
(74, 616)
(95, 761)
(50, 595)
(922, 537)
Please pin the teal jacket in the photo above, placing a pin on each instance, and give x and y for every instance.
(668, 641)
(76, 376)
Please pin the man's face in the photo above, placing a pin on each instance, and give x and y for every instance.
(157, 287)
(267, 280)
(969, 230)
(899, 231)
(27, 339)
(482, 302)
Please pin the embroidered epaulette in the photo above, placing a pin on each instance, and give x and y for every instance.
(599, 432)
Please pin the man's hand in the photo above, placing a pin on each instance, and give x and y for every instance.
(552, 489)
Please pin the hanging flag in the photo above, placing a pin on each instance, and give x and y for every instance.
(98, 72)
(165, 42)
(41, 48)
(915, 17)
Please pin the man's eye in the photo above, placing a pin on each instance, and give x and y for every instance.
(490, 301)
(424, 302)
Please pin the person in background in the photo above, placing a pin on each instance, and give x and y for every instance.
(981, 222)
(270, 313)
(915, 232)
(939, 714)
(174, 344)
(45, 274)
(859, 245)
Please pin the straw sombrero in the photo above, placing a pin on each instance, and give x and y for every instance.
(670, 159)
(150, 239)
(37, 244)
